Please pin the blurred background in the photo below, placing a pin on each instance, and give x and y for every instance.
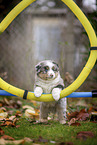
(47, 29)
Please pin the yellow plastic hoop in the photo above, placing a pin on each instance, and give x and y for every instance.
(86, 70)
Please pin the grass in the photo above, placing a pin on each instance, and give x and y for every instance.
(52, 132)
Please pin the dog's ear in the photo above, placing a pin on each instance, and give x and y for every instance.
(56, 64)
(38, 67)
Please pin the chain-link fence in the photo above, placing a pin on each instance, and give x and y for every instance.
(14, 53)
(37, 35)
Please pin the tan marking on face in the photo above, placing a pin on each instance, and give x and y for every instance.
(46, 77)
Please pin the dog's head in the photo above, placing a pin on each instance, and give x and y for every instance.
(47, 70)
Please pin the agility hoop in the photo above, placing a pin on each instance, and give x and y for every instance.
(84, 73)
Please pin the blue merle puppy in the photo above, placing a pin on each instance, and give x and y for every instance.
(48, 80)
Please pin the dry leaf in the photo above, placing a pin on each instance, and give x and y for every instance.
(4, 142)
(14, 121)
(82, 115)
(12, 117)
(90, 110)
(1, 104)
(6, 101)
(17, 126)
(84, 135)
(3, 115)
(28, 139)
(72, 115)
(66, 143)
(76, 124)
(40, 140)
(73, 120)
(8, 122)
(28, 107)
(1, 131)
(18, 114)
(6, 137)
(2, 109)
(34, 102)
(31, 114)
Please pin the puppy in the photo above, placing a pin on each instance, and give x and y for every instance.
(48, 80)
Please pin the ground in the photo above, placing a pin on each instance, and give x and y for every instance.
(20, 126)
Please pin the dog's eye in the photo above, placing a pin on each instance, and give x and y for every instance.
(54, 68)
(46, 68)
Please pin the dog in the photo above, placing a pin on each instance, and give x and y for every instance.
(48, 80)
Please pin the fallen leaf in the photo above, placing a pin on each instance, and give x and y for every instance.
(28, 107)
(4, 142)
(14, 121)
(94, 116)
(12, 118)
(1, 131)
(72, 115)
(73, 120)
(52, 141)
(19, 103)
(62, 143)
(82, 115)
(6, 137)
(31, 114)
(90, 110)
(17, 126)
(36, 144)
(18, 114)
(10, 112)
(42, 140)
(84, 135)
(7, 122)
(66, 143)
(15, 104)
(1, 104)
(76, 124)
(34, 102)
(28, 139)
(3, 115)
(2, 109)
(6, 101)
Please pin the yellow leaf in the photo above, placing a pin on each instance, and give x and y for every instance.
(31, 113)
(28, 107)
(3, 115)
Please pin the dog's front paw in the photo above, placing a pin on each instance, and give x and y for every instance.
(38, 91)
(56, 94)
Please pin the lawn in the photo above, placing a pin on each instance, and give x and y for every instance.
(53, 133)
(24, 130)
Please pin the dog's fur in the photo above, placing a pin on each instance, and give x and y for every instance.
(48, 80)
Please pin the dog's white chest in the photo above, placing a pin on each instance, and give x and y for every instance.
(47, 86)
